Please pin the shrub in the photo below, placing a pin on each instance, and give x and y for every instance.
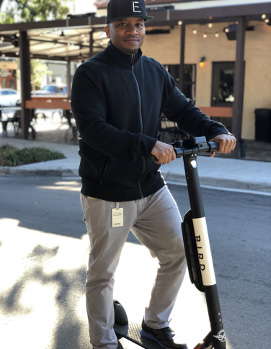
(12, 156)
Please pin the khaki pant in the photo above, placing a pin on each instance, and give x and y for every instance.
(156, 222)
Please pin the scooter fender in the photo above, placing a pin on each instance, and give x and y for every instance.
(191, 251)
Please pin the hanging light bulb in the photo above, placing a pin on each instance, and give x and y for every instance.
(263, 16)
(204, 35)
(194, 31)
(216, 35)
(210, 25)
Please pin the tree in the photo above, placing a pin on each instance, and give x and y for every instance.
(39, 70)
(34, 10)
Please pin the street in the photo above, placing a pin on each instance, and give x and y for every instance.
(43, 245)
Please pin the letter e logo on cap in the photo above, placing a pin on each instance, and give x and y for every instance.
(136, 7)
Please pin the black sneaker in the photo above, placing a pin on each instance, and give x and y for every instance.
(163, 336)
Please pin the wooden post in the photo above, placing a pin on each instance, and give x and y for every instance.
(181, 69)
(69, 78)
(238, 89)
(91, 43)
(25, 81)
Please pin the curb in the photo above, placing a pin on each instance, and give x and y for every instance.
(11, 171)
(222, 182)
(168, 176)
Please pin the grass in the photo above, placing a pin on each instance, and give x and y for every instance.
(12, 156)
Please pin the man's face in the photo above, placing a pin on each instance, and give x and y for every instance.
(126, 34)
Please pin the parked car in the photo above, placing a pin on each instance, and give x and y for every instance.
(51, 89)
(9, 97)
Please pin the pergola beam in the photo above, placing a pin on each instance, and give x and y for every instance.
(161, 17)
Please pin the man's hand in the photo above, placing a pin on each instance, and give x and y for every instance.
(226, 143)
(163, 152)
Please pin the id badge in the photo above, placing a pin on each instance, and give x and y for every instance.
(117, 216)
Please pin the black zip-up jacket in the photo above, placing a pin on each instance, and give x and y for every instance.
(117, 101)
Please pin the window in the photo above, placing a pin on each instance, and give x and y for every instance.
(169, 132)
(222, 89)
(11, 84)
(189, 78)
(222, 84)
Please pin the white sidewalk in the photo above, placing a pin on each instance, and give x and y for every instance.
(217, 171)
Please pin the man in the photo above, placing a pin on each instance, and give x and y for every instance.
(117, 99)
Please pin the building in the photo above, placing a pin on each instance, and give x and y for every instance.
(8, 73)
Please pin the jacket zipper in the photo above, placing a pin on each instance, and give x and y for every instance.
(139, 95)
(141, 123)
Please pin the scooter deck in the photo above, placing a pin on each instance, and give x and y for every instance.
(132, 333)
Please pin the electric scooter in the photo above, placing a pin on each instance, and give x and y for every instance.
(198, 255)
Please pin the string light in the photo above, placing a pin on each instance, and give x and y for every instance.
(226, 30)
(180, 23)
(205, 34)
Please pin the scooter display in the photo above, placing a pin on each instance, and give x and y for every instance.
(198, 255)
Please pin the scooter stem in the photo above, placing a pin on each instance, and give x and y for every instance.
(216, 338)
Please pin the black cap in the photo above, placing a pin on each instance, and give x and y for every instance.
(117, 9)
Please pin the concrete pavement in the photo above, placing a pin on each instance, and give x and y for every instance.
(217, 171)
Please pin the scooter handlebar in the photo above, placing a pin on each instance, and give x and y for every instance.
(196, 149)
(180, 150)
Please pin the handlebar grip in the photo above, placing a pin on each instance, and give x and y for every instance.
(152, 158)
(200, 148)
(213, 146)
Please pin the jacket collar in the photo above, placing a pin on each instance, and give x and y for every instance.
(121, 58)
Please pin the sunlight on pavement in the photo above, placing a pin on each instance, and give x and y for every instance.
(42, 301)
(39, 286)
(69, 186)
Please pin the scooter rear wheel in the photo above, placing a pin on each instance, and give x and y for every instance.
(121, 318)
